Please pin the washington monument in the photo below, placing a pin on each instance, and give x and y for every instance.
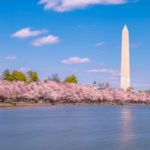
(125, 60)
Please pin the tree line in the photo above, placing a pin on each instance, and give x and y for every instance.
(32, 76)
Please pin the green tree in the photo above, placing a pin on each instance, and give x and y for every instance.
(94, 83)
(130, 89)
(5, 74)
(104, 85)
(10, 78)
(18, 76)
(107, 85)
(71, 79)
(55, 78)
(32, 76)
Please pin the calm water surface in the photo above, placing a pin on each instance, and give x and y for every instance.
(75, 128)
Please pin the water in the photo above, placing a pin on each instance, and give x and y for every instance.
(75, 128)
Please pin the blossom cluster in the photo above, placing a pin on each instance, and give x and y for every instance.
(67, 93)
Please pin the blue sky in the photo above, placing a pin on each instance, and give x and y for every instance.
(81, 37)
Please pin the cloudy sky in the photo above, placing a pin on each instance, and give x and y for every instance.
(81, 37)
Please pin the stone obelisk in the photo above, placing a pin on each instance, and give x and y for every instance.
(125, 60)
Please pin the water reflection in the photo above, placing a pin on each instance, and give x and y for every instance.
(75, 128)
(126, 137)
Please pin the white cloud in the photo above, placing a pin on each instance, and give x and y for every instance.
(50, 39)
(112, 78)
(10, 58)
(116, 74)
(76, 60)
(68, 5)
(108, 71)
(27, 32)
(105, 71)
(99, 44)
(142, 85)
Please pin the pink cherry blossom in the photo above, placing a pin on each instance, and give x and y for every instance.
(67, 93)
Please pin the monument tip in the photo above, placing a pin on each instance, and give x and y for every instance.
(125, 27)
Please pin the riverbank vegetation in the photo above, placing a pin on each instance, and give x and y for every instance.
(18, 87)
(32, 76)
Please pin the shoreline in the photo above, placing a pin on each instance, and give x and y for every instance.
(19, 105)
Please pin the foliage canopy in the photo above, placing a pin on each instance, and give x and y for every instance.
(71, 79)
